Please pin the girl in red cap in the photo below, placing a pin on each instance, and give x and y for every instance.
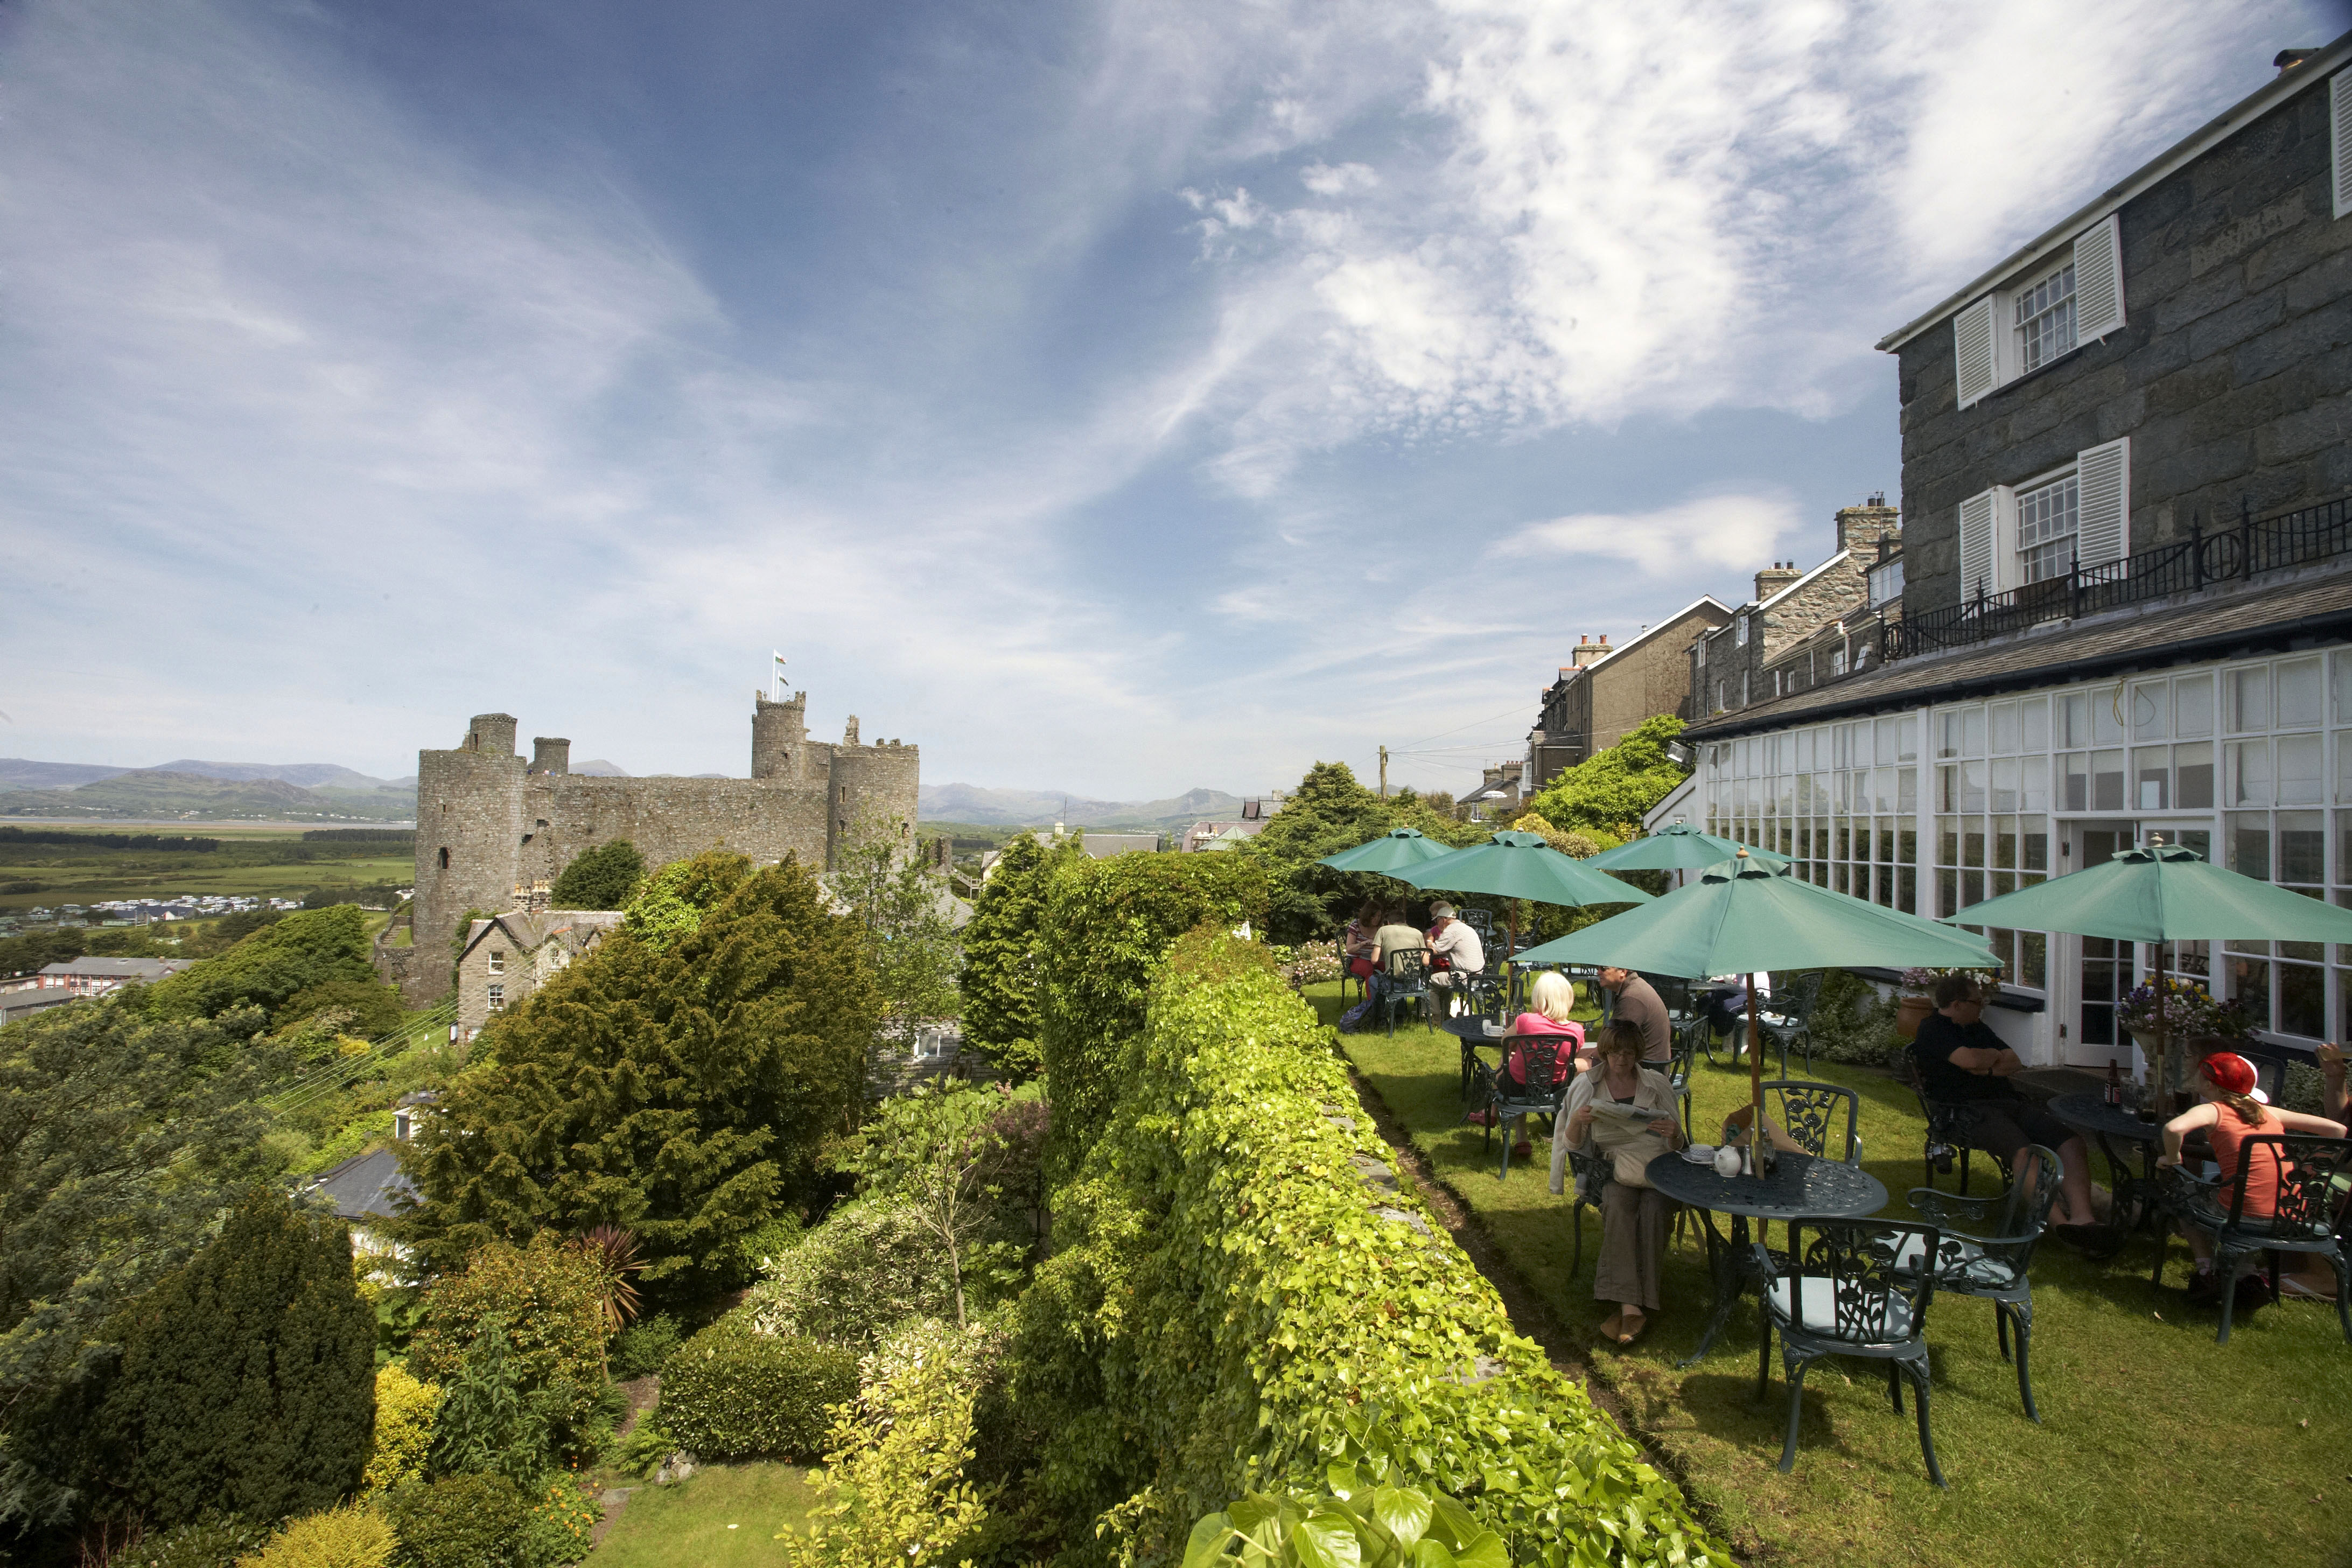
(2230, 1114)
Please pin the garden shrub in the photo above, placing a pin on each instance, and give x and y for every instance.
(946, 1153)
(458, 1522)
(1226, 1292)
(485, 1421)
(271, 966)
(733, 1393)
(869, 1266)
(355, 1536)
(687, 1092)
(1851, 1023)
(1330, 811)
(1001, 969)
(600, 878)
(247, 1378)
(548, 1297)
(639, 1349)
(215, 1540)
(558, 1527)
(1612, 790)
(1108, 924)
(403, 1428)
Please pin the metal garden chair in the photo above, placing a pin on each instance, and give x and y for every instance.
(1405, 980)
(1949, 1122)
(1789, 1018)
(2305, 1220)
(1841, 1290)
(1507, 1103)
(1994, 1267)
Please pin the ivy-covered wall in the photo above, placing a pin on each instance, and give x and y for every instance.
(1236, 1271)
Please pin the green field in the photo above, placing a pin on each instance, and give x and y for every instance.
(249, 863)
(2153, 1440)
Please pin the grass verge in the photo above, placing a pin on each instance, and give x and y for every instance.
(2152, 1436)
(722, 1516)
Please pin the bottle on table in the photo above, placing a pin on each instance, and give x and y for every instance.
(2114, 1084)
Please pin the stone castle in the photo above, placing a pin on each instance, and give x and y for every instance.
(494, 832)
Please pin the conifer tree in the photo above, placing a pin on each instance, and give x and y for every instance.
(999, 955)
(600, 878)
(247, 1382)
(683, 1091)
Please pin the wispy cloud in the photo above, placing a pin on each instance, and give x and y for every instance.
(1722, 533)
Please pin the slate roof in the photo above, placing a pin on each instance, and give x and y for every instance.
(93, 968)
(2305, 609)
(530, 929)
(365, 1186)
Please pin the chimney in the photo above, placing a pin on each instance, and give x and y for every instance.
(1774, 578)
(2287, 59)
(1861, 527)
(1588, 652)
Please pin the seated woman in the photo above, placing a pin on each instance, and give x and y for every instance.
(1543, 1030)
(1604, 1117)
(2229, 1114)
(1359, 945)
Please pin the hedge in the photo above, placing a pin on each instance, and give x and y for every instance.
(1229, 1293)
(1108, 924)
(732, 1393)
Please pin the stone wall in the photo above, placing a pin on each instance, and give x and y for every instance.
(1648, 677)
(2231, 374)
(1799, 611)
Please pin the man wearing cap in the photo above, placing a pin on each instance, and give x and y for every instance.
(1453, 947)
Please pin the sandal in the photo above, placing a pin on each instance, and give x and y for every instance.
(1626, 1336)
(1613, 1328)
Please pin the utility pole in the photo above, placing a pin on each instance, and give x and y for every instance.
(1384, 772)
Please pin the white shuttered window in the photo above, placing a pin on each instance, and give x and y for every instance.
(2075, 297)
(2098, 280)
(1972, 345)
(2105, 529)
(2339, 117)
(1977, 515)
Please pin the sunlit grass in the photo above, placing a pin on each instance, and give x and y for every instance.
(722, 1516)
(2154, 1443)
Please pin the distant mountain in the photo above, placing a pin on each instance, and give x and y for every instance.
(153, 792)
(25, 774)
(308, 776)
(600, 768)
(1028, 807)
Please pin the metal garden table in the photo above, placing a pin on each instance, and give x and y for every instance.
(1472, 1032)
(2091, 1115)
(1798, 1184)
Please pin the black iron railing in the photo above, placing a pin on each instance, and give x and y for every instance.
(2255, 545)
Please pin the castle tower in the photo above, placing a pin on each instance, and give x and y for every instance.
(470, 811)
(870, 789)
(550, 755)
(779, 734)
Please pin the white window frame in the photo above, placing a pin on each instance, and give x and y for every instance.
(498, 964)
(2059, 312)
(1987, 346)
(1739, 630)
(496, 998)
(2016, 544)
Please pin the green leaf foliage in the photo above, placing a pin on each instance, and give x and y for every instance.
(271, 966)
(546, 1301)
(684, 1091)
(1329, 812)
(483, 1422)
(1107, 925)
(1001, 964)
(1610, 791)
(458, 1522)
(600, 878)
(903, 910)
(871, 1266)
(247, 1380)
(1227, 1296)
(733, 1393)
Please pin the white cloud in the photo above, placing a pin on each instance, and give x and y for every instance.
(1711, 534)
(1338, 180)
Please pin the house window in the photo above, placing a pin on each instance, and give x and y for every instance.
(498, 997)
(2045, 319)
(498, 963)
(2048, 518)
(1739, 631)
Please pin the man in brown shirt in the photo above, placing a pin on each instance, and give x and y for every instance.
(1637, 1004)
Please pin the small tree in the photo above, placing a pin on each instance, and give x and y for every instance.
(247, 1378)
(903, 910)
(483, 1422)
(939, 1153)
(1000, 974)
(600, 878)
(1610, 791)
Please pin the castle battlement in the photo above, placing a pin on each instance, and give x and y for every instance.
(488, 823)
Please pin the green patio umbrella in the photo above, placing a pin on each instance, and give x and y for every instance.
(1397, 847)
(1516, 865)
(1741, 918)
(2163, 893)
(1677, 847)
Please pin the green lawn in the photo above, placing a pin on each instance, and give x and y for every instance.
(722, 1516)
(2153, 1442)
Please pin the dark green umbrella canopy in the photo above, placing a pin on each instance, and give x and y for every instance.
(2163, 892)
(1515, 864)
(1678, 846)
(1741, 918)
(1399, 846)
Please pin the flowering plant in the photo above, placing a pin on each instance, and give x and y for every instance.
(1925, 979)
(2182, 1008)
(1310, 963)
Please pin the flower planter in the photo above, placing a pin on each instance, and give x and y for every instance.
(1910, 1011)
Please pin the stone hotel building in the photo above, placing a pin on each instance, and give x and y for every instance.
(2125, 572)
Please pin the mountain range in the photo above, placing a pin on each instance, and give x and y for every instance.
(190, 788)
(1037, 807)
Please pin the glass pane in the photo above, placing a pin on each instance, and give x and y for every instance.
(1861, 744)
(2004, 783)
(2302, 848)
(2344, 757)
(2034, 960)
(1972, 843)
(2340, 705)
(2250, 844)
(1886, 746)
(2106, 781)
(2303, 1001)
(2299, 782)
(2192, 706)
(2033, 843)
(2074, 720)
(2033, 724)
(1972, 786)
(2076, 773)
(2246, 765)
(1907, 793)
(1907, 886)
(2246, 699)
(2343, 848)
(2299, 695)
(1972, 883)
(2151, 778)
(1908, 747)
(2004, 729)
(2101, 959)
(2151, 710)
(2004, 844)
(1947, 841)
(2034, 783)
(2107, 716)
(2249, 982)
(2193, 773)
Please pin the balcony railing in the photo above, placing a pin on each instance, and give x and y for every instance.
(2255, 546)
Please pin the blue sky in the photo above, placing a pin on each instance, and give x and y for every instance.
(1114, 398)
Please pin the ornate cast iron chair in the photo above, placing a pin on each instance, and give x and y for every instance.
(1406, 980)
(1995, 1266)
(2305, 1220)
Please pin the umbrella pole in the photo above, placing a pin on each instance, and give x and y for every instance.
(1756, 1141)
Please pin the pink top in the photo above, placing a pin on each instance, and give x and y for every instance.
(1534, 1025)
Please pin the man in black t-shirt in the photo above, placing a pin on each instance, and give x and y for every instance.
(1963, 1062)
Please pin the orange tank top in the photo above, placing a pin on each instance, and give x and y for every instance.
(2228, 1135)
